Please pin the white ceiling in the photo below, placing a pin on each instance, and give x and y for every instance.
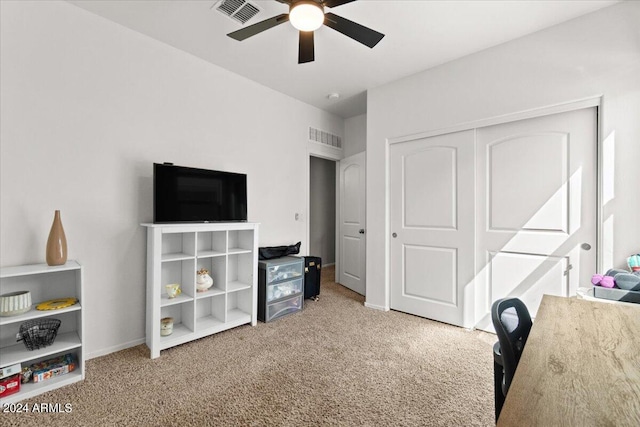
(420, 34)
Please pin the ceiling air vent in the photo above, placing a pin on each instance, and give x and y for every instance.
(325, 138)
(238, 10)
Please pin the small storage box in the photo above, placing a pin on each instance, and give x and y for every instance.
(283, 290)
(9, 386)
(280, 287)
(283, 308)
(280, 272)
(54, 367)
(8, 371)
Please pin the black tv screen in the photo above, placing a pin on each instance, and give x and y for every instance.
(182, 194)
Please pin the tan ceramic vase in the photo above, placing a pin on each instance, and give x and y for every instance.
(57, 243)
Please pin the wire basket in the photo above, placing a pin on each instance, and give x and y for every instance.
(38, 333)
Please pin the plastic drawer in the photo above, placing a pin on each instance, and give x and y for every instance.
(282, 308)
(284, 289)
(277, 273)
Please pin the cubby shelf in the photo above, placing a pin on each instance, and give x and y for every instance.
(44, 283)
(166, 301)
(175, 252)
(37, 314)
(237, 286)
(236, 315)
(211, 292)
(176, 257)
(233, 251)
(18, 353)
(210, 254)
(179, 331)
(32, 389)
(208, 322)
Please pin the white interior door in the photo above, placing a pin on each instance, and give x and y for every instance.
(432, 202)
(352, 220)
(536, 217)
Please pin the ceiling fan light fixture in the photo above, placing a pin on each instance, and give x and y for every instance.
(306, 15)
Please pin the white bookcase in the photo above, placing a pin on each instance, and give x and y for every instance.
(44, 283)
(174, 253)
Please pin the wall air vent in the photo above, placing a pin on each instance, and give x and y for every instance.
(238, 10)
(325, 138)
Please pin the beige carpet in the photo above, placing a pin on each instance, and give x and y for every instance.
(335, 363)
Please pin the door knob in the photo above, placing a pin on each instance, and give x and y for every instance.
(394, 235)
(361, 231)
(585, 246)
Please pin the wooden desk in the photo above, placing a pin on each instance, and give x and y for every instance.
(580, 367)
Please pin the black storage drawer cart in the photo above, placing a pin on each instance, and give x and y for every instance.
(280, 287)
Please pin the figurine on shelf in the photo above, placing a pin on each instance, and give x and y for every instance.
(173, 290)
(203, 280)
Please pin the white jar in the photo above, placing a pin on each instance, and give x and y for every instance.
(166, 326)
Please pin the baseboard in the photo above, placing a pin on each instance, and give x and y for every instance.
(375, 307)
(115, 348)
(329, 264)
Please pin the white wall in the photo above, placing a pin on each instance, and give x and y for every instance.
(355, 135)
(87, 106)
(597, 54)
(322, 215)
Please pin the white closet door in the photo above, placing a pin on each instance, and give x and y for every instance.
(536, 215)
(504, 210)
(432, 227)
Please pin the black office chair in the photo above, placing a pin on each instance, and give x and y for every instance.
(512, 323)
(498, 375)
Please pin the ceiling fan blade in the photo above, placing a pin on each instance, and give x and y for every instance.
(334, 3)
(305, 47)
(252, 30)
(359, 33)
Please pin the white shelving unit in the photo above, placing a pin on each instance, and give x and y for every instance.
(44, 283)
(174, 253)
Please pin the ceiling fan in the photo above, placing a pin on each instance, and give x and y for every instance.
(307, 16)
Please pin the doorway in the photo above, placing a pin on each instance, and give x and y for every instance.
(322, 209)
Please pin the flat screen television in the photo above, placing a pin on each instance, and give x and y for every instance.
(182, 194)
